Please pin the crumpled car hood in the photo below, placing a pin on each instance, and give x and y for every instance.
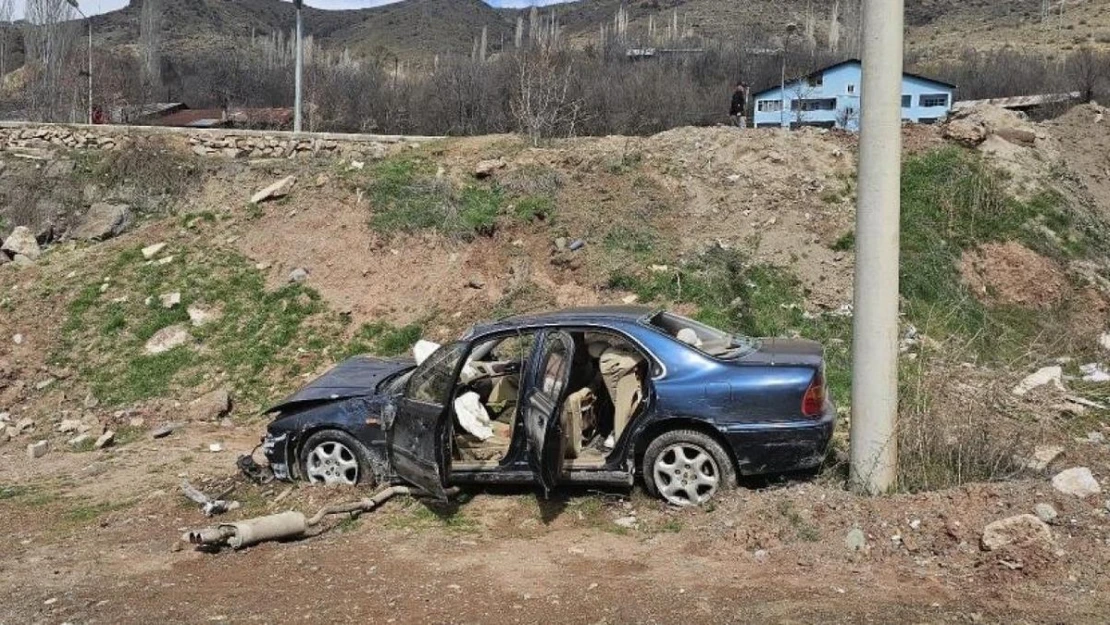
(355, 377)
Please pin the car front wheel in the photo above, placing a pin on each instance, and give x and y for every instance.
(335, 458)
(687, 468)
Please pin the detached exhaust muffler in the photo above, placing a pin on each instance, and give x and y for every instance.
(283, 526)
(241, 534)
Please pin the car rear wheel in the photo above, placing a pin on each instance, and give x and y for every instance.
(687, 468)
(335, 458)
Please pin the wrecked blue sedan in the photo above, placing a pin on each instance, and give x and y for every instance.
(582, 396)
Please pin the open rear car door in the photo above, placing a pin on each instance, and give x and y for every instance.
(546, 391)
(418, 426)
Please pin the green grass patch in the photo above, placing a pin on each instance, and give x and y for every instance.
(15, 491)
(421, 516)
(846, 243)
(85, 513)
(638, 242)
(258, 340)
(409, 195)
(384, 339)
(535, 208)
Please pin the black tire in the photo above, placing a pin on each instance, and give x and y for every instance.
(668, 443)
(360, 455)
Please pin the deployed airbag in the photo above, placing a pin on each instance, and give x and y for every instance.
(472, 416)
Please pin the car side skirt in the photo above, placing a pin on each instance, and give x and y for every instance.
(525, 477)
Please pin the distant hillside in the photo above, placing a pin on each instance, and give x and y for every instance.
(421, 29)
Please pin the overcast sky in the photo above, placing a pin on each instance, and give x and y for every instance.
(100, 6)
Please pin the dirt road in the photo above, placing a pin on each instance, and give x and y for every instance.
(92, 538)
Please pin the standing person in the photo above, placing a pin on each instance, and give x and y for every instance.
(739, 109)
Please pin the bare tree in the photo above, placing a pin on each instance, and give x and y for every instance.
(150, 45)
(810, 27)
(49, 33)
(834, 28)
(7, 10)
(541, 102)
(1087, 69)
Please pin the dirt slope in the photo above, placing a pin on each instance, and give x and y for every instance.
(93, 533)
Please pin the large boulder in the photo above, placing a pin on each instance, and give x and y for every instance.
(21, 242)
(965, 132)
(103, 221)
(1020, 530)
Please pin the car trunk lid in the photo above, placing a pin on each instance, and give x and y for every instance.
(786, 353)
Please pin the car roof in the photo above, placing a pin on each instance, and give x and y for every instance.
(569, 316)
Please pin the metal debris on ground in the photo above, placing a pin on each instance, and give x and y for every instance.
(282, 526)
(210, 506)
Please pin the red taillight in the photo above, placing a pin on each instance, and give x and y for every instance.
(813, 404)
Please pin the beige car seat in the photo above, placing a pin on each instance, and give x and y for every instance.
(578, 414)
(620, 370)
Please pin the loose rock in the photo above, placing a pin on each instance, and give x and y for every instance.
(1077, 481)
(68, 426)
(856, 540)
(22, 242)
(1023, 529)
(1045, 512)
(628, 522)
(169, 300)
(166, 339)
(165, 430)
(38, 450)
(103, 221)
(199, 316)
(279, 189)
(1043, 456)
(105, 440)
(151, 251)
(211, 406)
(485, 169)
(299, 274)
(79, 440)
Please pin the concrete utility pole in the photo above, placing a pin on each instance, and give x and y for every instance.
(299, 71)
(874, 450)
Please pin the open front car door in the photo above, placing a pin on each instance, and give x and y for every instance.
(418, 427)
(547, 389)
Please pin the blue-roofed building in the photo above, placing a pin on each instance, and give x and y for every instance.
(830, 98)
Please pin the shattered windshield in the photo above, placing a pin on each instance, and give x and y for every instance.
(704, 338)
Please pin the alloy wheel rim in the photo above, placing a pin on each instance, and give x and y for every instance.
(686, 474)
(332, 463)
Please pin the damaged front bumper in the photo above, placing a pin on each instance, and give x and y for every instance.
(275, 448)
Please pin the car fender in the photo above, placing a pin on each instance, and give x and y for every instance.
(649, 429)
(359, 417)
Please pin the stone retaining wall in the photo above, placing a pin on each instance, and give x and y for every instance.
(29, 138)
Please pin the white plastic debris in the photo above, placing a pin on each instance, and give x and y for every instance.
(423, 349)
(472, 416)
(1047, 375)
(1094, 372)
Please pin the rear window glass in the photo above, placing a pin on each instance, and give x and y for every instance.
(702, 337)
